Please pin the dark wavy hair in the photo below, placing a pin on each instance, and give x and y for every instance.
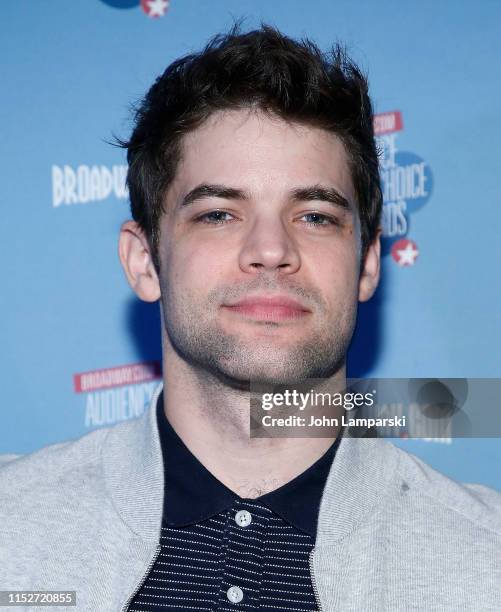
(262, 68)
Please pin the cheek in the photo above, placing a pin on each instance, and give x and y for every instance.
(334, 259)
(195, 268)
(335, 271)
(339, 286)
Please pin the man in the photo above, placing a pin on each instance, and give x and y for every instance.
(254, 186)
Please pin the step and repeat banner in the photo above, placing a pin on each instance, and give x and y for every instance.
(79, 351)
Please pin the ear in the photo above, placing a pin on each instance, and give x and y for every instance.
(135, 255)
(369, 276)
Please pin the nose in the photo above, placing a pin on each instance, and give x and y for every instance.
(268, 246)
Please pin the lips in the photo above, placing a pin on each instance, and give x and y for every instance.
(269, 308)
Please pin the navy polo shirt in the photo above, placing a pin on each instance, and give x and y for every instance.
(219, 551)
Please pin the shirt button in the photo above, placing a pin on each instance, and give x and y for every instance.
(243, 518)
(235, 594)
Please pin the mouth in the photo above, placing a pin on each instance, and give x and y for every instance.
(274, 309)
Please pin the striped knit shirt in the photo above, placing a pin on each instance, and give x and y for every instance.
(219, 551)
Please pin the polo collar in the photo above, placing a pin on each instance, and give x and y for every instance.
(193, 494)
(131, 457)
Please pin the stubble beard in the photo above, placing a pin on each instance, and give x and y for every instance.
(239, 363)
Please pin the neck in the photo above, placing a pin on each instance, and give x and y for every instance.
(212, 419)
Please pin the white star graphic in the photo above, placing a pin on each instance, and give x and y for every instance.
(157, 8)
(407, 256)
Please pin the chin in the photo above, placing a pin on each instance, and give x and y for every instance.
(273, 373)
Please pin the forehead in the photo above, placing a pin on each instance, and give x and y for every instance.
(262, 153)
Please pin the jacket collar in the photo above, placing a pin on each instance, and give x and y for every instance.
(361, 477)
(133, 470)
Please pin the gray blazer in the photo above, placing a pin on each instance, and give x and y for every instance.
(393, 534)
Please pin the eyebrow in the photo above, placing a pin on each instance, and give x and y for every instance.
(323, 194)
(300, 194)
(206, 190)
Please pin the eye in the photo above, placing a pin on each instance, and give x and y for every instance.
(316, 219)
(215, 217)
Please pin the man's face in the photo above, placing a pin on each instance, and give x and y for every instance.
(260, 250)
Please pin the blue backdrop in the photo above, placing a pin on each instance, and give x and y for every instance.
(70, 323)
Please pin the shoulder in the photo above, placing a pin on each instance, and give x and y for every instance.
(447, 500)
(23, 476)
